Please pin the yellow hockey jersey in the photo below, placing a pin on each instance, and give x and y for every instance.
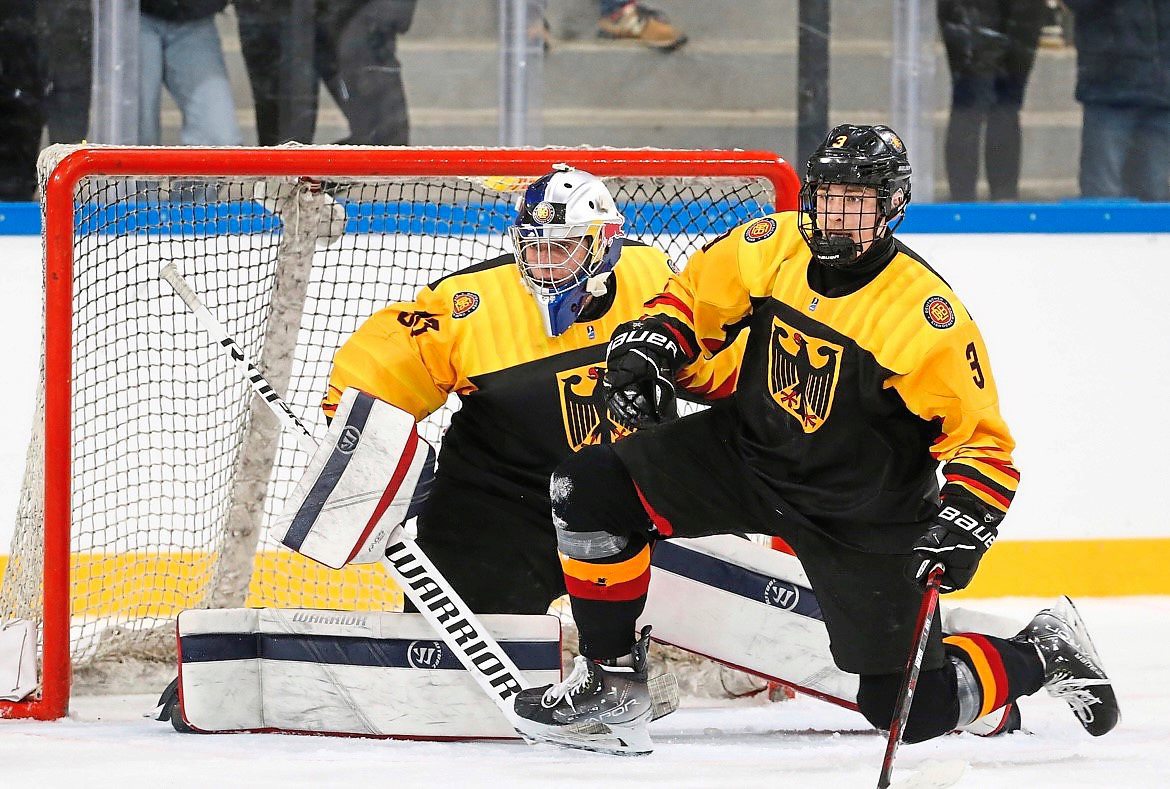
(854, 386)
(527, 399)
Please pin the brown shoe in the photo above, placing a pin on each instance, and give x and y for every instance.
(645, 25)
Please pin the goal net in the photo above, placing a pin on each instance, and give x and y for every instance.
(152, 474)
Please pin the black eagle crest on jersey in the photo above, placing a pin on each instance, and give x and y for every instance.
(583, 406)
(803, 374)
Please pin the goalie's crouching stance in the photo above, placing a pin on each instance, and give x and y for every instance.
(347, 672)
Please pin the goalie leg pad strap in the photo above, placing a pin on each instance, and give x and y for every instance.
(341, 672)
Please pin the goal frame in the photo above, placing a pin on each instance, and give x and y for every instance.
(52, 700)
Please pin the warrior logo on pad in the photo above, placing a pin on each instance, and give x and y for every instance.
(802, 374)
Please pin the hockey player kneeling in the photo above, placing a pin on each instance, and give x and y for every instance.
(863, 374)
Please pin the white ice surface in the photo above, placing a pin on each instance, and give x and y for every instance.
(803, 743)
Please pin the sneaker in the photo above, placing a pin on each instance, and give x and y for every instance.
(1072, 668)
(601, 706)
(645, 25)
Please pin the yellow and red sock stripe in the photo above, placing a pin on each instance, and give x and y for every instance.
(984, 659)
(627, 579)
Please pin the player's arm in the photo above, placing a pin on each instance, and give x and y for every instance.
(698, 314)
(401, 354)
(953, 387)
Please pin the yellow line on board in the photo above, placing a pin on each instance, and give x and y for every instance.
(1078, 568)
(137, 584)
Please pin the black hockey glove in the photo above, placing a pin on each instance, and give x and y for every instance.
(957, 540)
(640, 365)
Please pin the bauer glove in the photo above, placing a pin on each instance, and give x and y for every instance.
(640, 364)
(957, 539)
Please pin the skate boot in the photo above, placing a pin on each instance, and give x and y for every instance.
(600, 706)
(1072, 668)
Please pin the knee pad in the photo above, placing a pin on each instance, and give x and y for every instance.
(595, 506)
(934, 711)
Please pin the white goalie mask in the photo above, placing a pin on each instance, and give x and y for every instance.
(566, 234)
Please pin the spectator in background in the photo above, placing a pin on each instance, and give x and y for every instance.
(179, 47)
(20, 100)
(352, 48)
(1123, 85)
(991, 47)
(631, 20)
(65, 29)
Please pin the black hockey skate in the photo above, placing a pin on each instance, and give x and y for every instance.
(1072, 668)
(600, 706)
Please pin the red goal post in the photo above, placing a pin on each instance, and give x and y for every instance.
(66, 212)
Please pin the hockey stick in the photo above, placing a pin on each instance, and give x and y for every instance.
(418, 578)
(913, 667)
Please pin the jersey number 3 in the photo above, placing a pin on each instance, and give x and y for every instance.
(976, 368)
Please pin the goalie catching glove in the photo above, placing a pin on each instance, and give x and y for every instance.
(641, 362)
(958, 538)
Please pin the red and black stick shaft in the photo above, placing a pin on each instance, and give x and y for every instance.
(910, 676)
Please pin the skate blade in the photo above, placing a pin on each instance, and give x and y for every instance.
(631, 740)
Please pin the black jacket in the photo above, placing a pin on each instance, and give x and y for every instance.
(1123, 51)
(182, 10)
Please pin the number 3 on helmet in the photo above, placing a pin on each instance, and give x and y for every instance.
(566, 239)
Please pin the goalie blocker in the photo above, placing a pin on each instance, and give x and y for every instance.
(370, 474)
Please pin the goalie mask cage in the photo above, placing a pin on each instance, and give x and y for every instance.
(152, 473)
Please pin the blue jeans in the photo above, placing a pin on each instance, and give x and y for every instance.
(188, 59)
(611, 6)
(1124, 152)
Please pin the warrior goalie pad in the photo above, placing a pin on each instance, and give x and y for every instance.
(752, 608)
(342, 672)
(369, 475)
(747, 606)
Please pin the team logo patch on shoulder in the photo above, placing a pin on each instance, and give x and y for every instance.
(939, 312)
(759, 230)
(543, 212)
(464, 303)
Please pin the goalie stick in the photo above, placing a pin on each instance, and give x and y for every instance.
(436, 600)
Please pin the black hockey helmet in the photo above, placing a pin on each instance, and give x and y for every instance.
(868, 156)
